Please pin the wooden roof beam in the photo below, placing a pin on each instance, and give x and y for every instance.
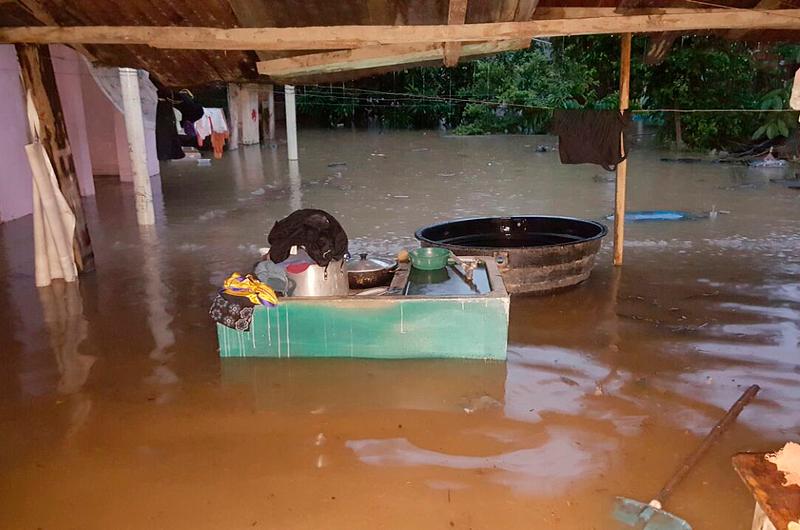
(340, 37)
(374, 57)
(456, 14)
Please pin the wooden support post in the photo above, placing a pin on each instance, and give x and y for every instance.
(134, 128)
(271, 111)
(234, 115)
(456, 14)
(291, 122)
(38, 77)
(622, 167)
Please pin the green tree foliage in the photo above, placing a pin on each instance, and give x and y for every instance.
(514, 92)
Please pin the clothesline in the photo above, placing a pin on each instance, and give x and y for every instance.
(413, 97)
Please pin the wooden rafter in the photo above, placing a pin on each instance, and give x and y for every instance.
(252, 14)
(456, 14)
(37, 11)
(374, 57)
(340, 37)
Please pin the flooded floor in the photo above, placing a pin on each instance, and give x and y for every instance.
(116, 412)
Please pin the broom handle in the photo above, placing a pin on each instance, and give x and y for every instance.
(692, 459)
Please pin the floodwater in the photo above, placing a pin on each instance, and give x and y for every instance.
(116, 412)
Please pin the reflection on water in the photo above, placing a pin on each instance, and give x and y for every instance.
(607, 386)
(62, 309)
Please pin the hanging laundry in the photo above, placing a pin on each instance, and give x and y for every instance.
(213, 120)
(233, 306)
(168, 145)
(190, 110)
(53, 219)
(218, 143)
(317, 231)
(590, 136)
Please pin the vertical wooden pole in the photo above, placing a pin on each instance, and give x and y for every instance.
(234, 115)
(622, 167)
(134, 128)
(271, 110)
(291, 122)
(38, 77)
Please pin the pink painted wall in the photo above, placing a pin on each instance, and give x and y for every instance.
(107, 138)
(16, 181)
(67, 67)
(95, 128)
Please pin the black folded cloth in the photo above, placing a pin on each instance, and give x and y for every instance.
(317, 231)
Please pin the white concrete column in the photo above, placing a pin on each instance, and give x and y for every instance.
(248, 104)
(295, 186)
(291, 123)
(134, 126)
(234, 115)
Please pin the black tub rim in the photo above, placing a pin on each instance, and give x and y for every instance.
(603, 231)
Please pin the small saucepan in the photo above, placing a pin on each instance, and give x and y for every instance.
(365, 273)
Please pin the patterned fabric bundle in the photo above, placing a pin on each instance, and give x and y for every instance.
(233, 305)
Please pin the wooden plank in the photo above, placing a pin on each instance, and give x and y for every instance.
(37, 76)
(622, 167)
(339, 37)
(374, 57)
(37, 11)
(780, 503)
(456, 14)
(253, 14)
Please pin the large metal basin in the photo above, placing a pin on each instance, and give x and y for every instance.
(535, 254)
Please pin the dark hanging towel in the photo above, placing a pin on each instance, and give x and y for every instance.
(590, 136)
(315, 230)
(168, 145)
(190, 110)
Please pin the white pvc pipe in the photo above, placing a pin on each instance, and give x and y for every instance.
(134, 127)
(291, 123)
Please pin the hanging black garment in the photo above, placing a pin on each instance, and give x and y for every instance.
(315, 230)
(190, 110)
(591, 136)
(168, 145)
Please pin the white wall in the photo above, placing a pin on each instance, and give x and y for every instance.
(16, 181)
(95, 129)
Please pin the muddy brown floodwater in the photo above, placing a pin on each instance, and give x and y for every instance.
(116, 412)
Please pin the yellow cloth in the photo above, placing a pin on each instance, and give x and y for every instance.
(251, 288)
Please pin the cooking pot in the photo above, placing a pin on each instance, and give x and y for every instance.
(319, 281)
(364, 272)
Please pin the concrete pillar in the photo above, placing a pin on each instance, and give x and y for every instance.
(134, 125)
(234, 116)
(295, 186)
(248, 103)
(124, 168)
(291, 123)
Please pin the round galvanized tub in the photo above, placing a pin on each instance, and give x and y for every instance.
(535, 254)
